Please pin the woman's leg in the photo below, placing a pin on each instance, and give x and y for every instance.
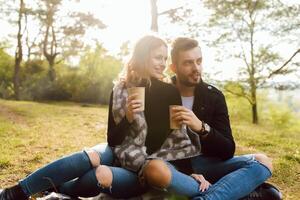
(100, 154)
(60, 171)
(163, 176)
(56, 173)
(117, 182)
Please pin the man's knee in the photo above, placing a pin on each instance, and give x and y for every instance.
(94, 157)
(265, 160)
(157, 174)
(104, 176)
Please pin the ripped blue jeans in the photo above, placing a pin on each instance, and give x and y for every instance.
(74, 175)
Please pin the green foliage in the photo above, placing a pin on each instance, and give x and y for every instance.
(238, 108)
(36, 84)
(279, 115)
(91, 81)
(274, 114)
(236, 88)
(97, 70)
(6, 74)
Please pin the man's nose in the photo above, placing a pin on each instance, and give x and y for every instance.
(196, 66)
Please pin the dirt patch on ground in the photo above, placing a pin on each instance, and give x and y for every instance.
(9, 114)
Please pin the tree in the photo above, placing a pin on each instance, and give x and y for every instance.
(154, 16)
(239, 26)
(178, 14)
(19, 50)
(63, 33)
(16, 14)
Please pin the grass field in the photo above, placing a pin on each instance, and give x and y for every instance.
(32, 134)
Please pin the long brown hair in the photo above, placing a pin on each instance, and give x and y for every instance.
(137, 67)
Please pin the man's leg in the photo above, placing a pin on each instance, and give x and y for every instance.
(238, 183)
(213, 168)
(231, 186)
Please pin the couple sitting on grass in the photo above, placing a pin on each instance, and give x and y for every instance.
(196, 160)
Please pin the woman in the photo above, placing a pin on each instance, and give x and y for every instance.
(90, 172)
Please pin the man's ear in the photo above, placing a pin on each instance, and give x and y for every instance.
(173, 68)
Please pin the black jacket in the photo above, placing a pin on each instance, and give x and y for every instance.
(210, 106)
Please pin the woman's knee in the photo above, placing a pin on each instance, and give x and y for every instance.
(157, 174)
(94, 157)
(105, 153)
(265, 160)
(104, 176)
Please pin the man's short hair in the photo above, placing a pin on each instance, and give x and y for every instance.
(182, 44)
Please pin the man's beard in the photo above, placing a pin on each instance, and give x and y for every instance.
(187, 83)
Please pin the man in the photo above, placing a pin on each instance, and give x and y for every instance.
(205, 113)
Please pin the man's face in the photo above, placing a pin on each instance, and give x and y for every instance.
(189, 67)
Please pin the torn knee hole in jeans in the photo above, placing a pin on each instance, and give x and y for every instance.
(104, 177)
(94, 157)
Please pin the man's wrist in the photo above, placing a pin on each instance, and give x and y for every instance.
(205, 129)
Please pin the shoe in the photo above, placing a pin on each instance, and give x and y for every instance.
(265, 191)
(13, 193)
(6, 194)
(2, 195)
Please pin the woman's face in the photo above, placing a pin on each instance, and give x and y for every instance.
(157, 62)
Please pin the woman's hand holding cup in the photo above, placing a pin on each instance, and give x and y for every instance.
(135, 102)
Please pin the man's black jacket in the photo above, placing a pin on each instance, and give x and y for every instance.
(210, 106)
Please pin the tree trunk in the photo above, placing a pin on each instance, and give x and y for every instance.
(51, 72)
(254, 114)
(254, 109)
(18, 54)
(154, 16)
(252, 72)
(52, 55)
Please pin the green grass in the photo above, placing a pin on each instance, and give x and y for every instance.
(282, 145)
(33, 134)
